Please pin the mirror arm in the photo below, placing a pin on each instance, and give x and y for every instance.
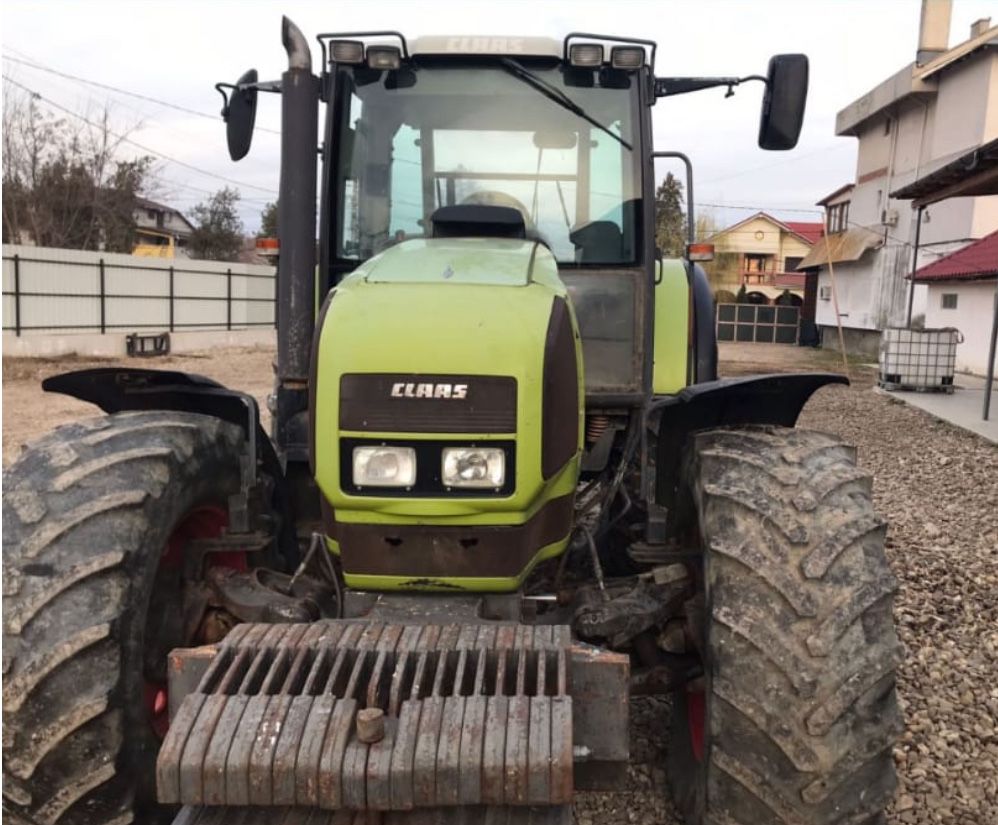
(224, 89)
(220, 88)
(668, 86)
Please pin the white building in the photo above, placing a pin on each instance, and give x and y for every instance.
(961, 294)
(932, 111)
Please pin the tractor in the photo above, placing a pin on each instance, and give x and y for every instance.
(504, 491)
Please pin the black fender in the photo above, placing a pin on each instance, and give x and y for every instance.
(704, 328)
(124, 389)
(727, 402)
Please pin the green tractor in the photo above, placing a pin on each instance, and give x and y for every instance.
(504, 491)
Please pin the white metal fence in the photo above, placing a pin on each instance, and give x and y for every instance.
(68, 290)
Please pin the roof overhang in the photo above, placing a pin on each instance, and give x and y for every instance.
(845, 189)
(985, 40)
(842, 247)
(972, 174)
(902, 86)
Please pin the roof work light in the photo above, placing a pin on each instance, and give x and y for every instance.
(346, 51)
(585, 54)
(384, 57)
(627, 57)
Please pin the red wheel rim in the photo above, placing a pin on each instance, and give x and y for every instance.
(201, 523)
(695, 705)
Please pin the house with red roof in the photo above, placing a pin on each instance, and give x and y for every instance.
(761, 253)
(961, 294)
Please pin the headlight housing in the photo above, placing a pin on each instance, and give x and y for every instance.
(474, 467)
(384, 466)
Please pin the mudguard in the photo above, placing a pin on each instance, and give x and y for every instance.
(727, 402)
(124, 389)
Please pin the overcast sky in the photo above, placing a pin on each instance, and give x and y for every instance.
(175, 51)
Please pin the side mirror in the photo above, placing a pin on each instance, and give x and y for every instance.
(784, 101)
(240, 115)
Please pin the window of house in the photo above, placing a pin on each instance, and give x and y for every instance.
(791, 262)
(949, 300)
(838, 217)
(888, 125)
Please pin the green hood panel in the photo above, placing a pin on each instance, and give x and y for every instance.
(466, 261)
(397, 315)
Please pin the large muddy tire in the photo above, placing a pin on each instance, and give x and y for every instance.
(795, 718)
(87, 513)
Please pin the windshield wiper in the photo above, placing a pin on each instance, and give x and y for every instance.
(558, 96)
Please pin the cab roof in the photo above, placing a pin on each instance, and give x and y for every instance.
(487, 44)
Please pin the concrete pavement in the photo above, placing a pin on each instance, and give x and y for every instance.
(963, 408)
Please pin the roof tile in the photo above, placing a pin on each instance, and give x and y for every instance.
(975, 261)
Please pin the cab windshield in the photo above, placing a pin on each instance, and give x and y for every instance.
(438, 133)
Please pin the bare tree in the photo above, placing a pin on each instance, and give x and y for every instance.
(65, 182)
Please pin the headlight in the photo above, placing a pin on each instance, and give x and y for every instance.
(473, 467)
(384, 466)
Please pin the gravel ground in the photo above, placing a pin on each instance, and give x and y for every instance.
(937, 486)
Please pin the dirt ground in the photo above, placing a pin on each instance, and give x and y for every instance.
(936, 485)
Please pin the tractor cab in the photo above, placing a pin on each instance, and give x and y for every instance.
(432, 145)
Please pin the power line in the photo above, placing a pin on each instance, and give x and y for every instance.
(118, 90)
(760, 208)
(136, 144)
(774, 164)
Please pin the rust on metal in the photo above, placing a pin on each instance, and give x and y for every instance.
(375, 717)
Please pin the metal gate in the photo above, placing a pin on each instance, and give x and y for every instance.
(758, 323)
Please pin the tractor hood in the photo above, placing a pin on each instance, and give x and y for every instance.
(480, 261)
(446, 339)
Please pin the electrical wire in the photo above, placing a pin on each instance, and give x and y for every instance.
(35, 95)
(116, 89)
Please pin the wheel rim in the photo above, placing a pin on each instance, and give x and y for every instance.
(205, 522)
(695, 707)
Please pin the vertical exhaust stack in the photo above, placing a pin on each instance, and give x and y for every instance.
(296, 230)
(933, 30)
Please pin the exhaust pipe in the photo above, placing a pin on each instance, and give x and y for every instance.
(296, 230)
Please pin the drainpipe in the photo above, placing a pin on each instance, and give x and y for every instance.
(989, 383)
(914, 263)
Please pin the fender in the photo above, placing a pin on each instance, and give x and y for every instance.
(727, 402)
(123, 389)
(704, 332)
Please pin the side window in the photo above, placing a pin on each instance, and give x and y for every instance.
(949, 300)
(406, 183)
(610, 207)
(350, 161)
(605, 179)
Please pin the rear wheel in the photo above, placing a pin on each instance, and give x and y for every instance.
(796, 715)
(96, 517)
